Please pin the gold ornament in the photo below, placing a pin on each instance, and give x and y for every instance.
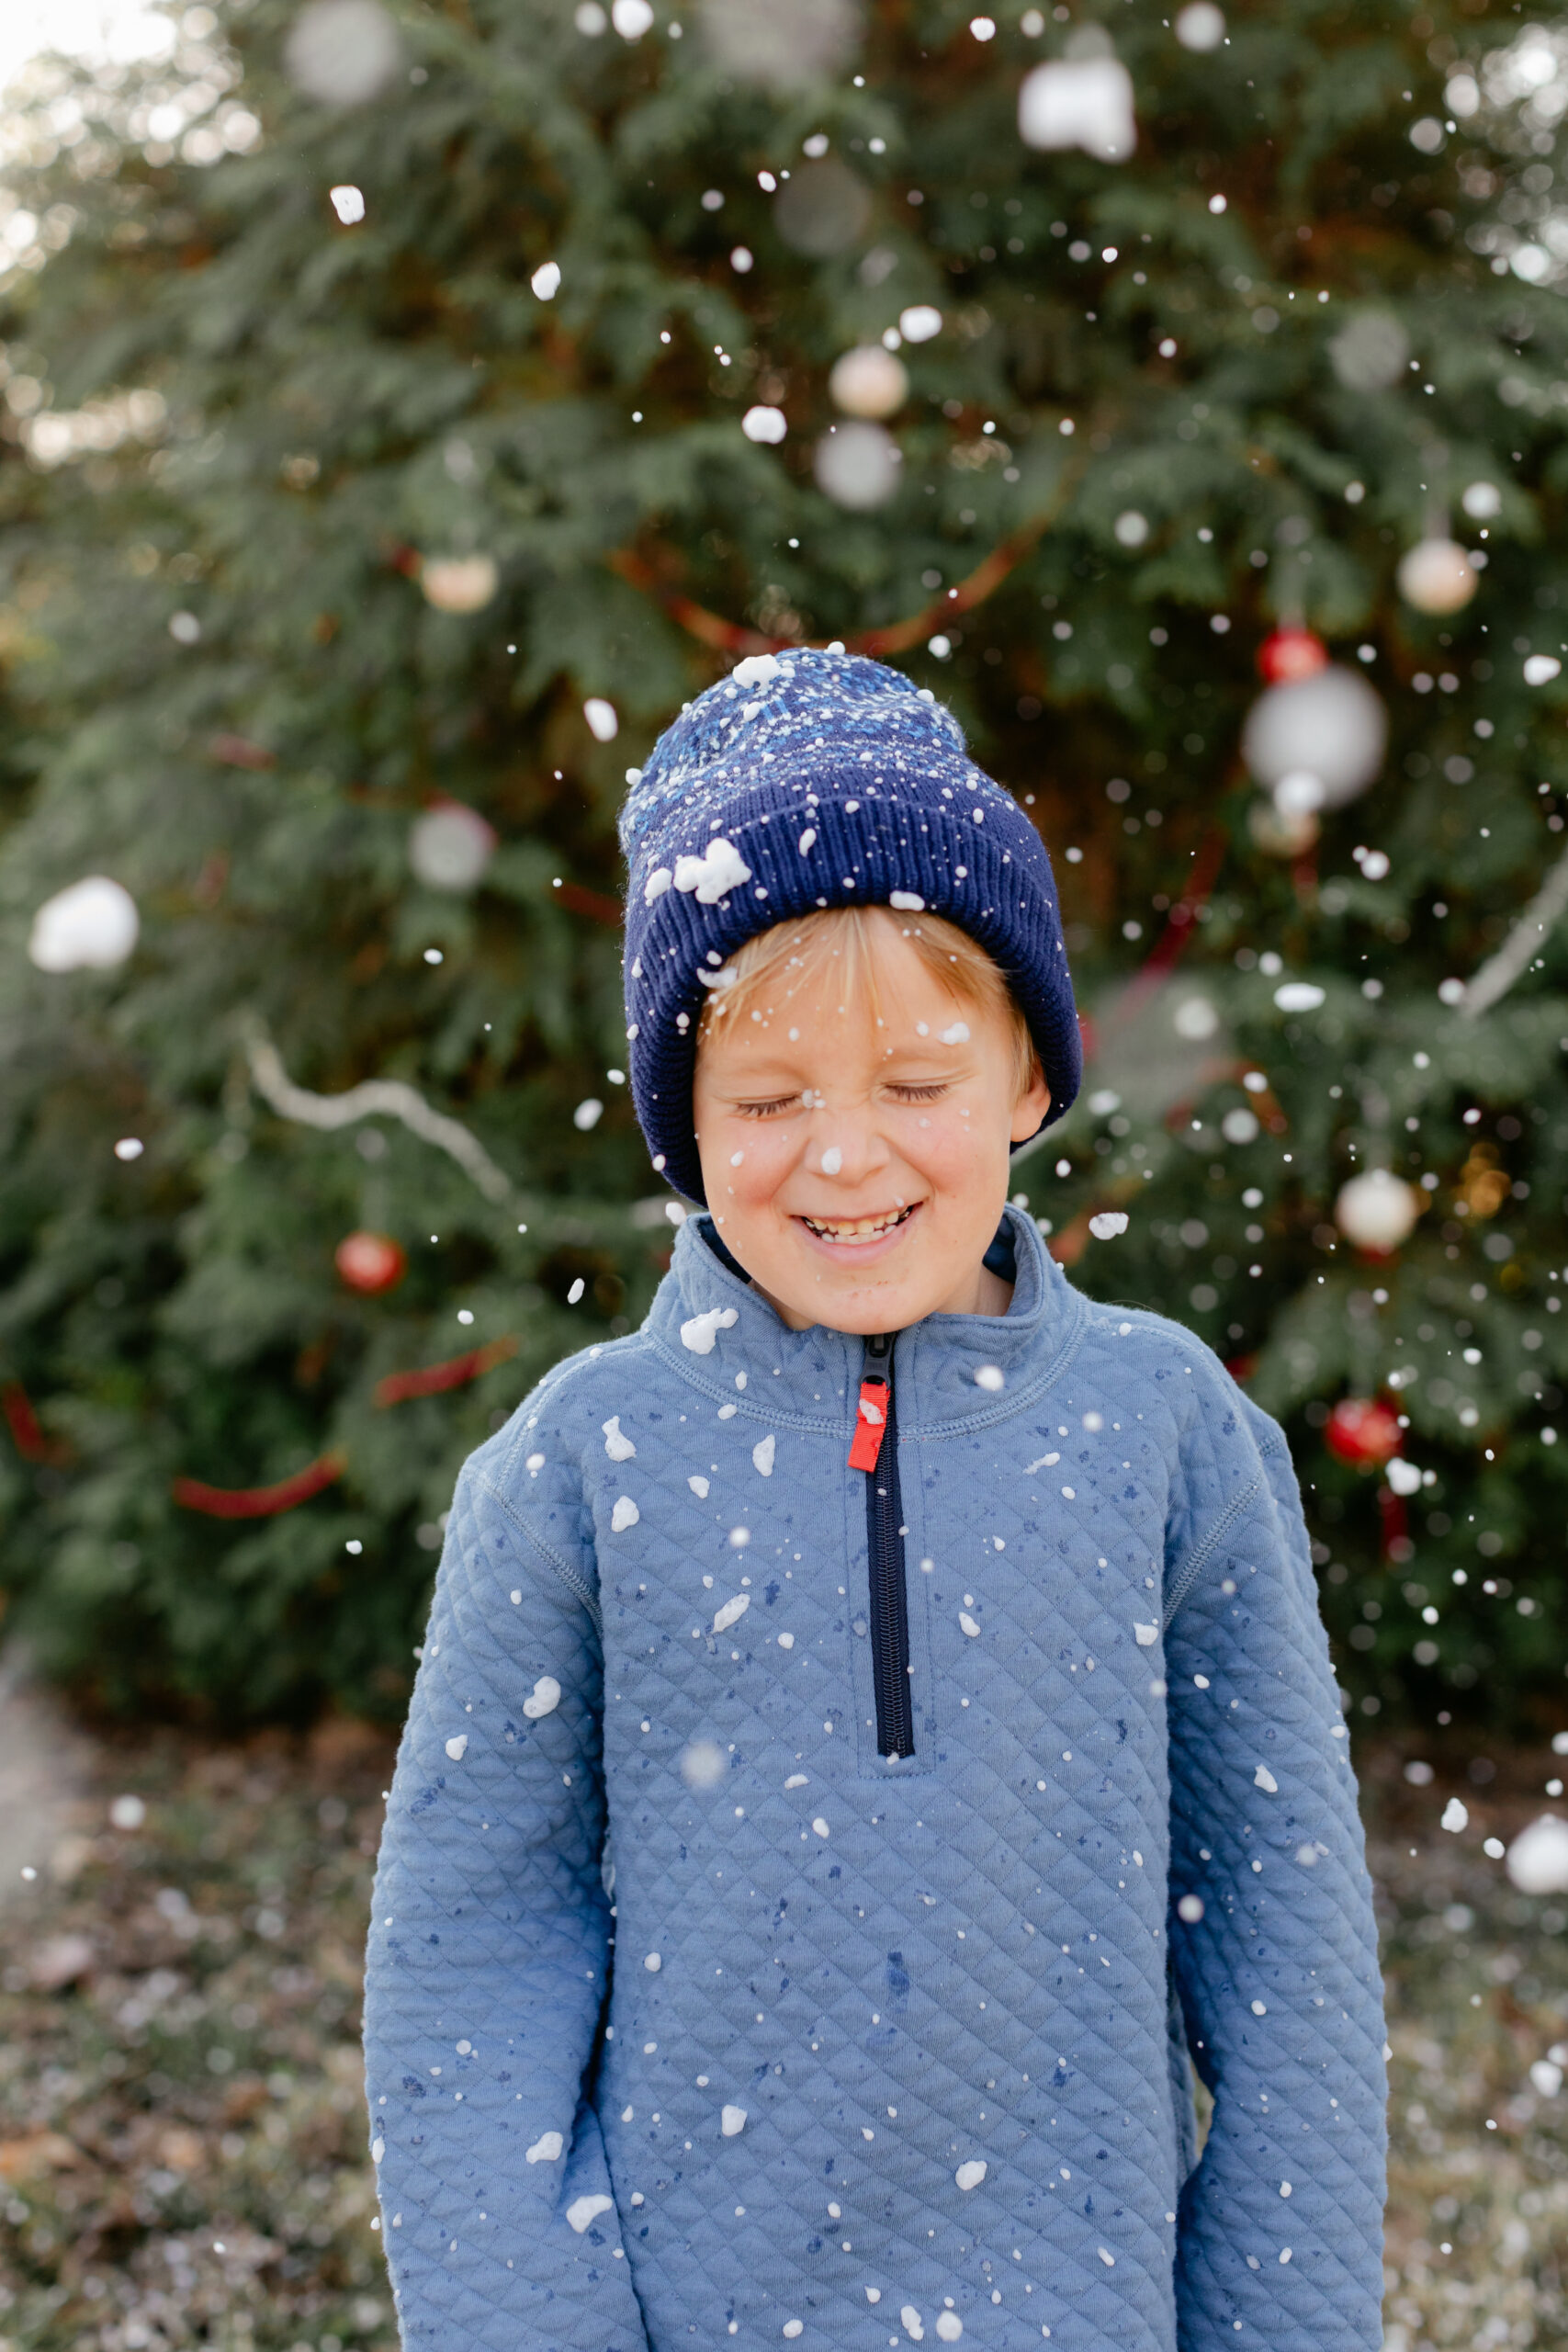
(1436, 576)
(869, 381)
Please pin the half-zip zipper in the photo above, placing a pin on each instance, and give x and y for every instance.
(875, 1451)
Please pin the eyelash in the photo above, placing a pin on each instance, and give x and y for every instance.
(930, 1093)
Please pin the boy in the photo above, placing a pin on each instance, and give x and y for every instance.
(875, 1720)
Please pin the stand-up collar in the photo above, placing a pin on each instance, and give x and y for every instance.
(951, 1371)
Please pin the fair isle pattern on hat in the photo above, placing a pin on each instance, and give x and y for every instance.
(806, 780)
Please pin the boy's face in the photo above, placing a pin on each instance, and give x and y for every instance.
(858, 1171)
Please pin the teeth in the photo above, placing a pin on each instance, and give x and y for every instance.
(861, 1229)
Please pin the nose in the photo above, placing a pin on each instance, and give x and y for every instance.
(847, 1144)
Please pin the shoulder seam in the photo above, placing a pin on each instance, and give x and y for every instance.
(568, 1576)
(1196, 1559)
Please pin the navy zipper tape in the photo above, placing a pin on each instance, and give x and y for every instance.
(888, 1613)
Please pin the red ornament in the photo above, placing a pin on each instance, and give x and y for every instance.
(1363, 1431)
(371, 1262)
(1291, 654)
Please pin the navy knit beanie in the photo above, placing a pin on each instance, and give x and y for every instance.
(804, 780)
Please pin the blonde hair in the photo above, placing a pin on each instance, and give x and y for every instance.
(774, 966)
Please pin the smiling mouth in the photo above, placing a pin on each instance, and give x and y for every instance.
(864, 1229)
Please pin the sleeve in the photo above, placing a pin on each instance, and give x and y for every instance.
(489, 1951)
(1273, 1940)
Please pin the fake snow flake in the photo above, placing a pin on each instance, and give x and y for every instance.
(971, 2173)
(699, 1486)
(546, 281)
(731, 1612)
(618, 1446)
(990, 1377)
(702, 1764)
(1145, 1635)
(626, 1514)
(377, 2148)
(786, 1641)
(1298, 996)
(762, 1456)
(1191, 1908)
(797, 1780)
(913, 2326)
(958, 1035)
(547, 2149)
(1108, 2259)
(732, 2122)
(458, 1746)
(583, 2209)
(543, 1699)
(1403, 1477)
(949, 2326)
(820, 1827)
(700, 1331)
(832, 1160)
(712, 876)
(603, 723)
(653, 1962)
(806, 838)
(1537, 1859)
(1456, 1816)
(1284, 2189)
(756, 669)
(764, 424)
(1107, 1223)
(794, 2327)
(1260, 2009)
(658, 882)
(1264, 1778)
(908, 902)
(968, 1624)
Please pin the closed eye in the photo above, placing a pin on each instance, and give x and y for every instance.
(770, 1109)
(911, 1093)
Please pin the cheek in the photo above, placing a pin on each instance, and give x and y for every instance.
(766, 1157)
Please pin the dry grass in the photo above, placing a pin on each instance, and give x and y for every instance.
(181, 2142)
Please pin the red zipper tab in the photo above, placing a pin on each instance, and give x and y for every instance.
(870, 1422)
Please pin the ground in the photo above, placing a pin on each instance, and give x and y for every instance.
(182, 2138)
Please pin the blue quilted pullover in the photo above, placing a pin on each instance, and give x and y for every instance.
(709, 2004)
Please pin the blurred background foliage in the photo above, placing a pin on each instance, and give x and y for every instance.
(391, 441)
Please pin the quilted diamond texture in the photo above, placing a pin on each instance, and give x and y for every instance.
(691, 2020)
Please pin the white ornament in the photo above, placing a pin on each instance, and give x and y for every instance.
(459, 583)
(1331, 727)
(1378, 1210)
(822, 209)
(869, 381)
(857, 464)
(1537, 1859)
(780, 49)
(1370, 352)
(341, 53)
(91, 926)
(450, 846)
(1436, 576)
(1079, 102)
(1201, 26)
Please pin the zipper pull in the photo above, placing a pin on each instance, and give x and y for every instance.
(870, 1414)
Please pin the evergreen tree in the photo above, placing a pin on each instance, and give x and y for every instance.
(412, 407)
